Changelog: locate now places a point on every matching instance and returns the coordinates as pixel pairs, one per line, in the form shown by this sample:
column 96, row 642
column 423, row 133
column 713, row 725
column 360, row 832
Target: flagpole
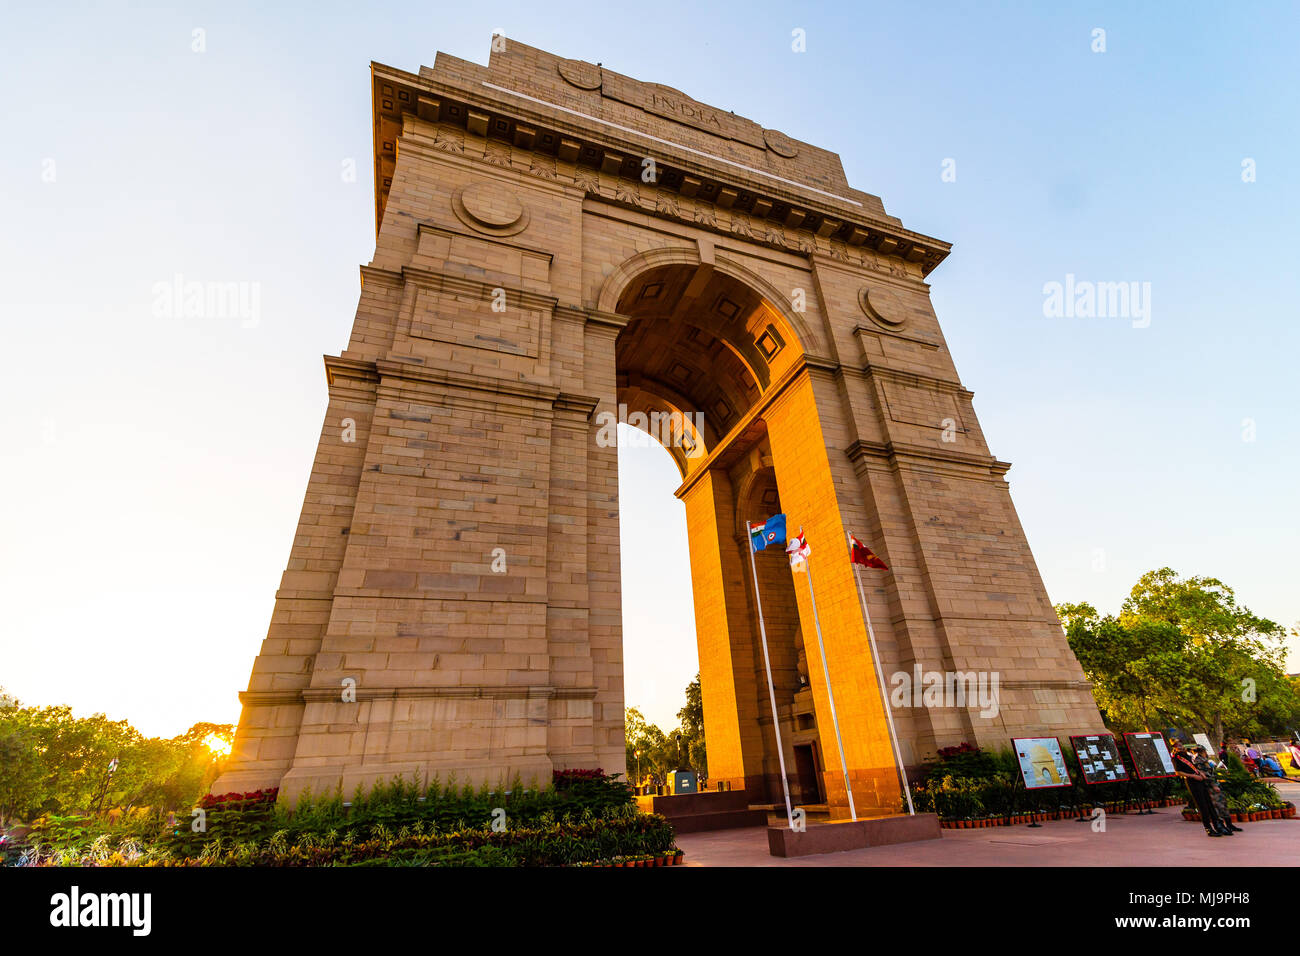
column 880, row 679
column 771, row 692
column 830, row 695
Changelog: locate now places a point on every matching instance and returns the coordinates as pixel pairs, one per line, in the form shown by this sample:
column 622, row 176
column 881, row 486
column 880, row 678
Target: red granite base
column 852, row 835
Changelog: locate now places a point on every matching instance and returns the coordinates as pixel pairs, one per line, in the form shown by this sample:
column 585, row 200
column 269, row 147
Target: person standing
column 1217, row 797
column 1185, row 767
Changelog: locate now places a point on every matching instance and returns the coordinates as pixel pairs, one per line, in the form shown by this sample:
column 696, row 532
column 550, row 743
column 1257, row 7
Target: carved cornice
column 608, row 320
column 860, row 451
column 574, row 404
column 904, row 377
column 604, row 160
column 860, row 330
column 339, row 369
column 378, row 274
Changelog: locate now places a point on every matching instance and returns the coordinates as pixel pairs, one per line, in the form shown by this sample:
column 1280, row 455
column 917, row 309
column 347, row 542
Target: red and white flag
column 865, row 556
column 798, row 549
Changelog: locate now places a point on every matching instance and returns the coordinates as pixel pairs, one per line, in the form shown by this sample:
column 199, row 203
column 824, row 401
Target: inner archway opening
column 701, row 353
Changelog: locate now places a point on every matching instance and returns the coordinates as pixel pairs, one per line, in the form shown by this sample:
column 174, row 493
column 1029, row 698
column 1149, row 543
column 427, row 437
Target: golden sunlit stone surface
column 559, row 246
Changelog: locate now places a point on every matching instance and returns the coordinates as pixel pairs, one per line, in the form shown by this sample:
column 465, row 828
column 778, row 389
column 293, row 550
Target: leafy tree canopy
column 1182, row 651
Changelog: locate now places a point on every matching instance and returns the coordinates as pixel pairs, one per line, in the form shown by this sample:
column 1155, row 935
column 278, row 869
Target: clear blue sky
column 153, row 468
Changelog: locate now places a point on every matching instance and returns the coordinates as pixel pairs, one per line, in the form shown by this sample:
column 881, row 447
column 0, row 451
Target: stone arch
column 625, row 273
column 478, row 428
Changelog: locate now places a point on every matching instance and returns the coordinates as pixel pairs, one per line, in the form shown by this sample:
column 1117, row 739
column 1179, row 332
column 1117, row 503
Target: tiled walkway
column 1159, row 839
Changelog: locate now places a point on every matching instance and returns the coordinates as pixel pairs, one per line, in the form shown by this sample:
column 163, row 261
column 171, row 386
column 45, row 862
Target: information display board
column 1042, row 764
column 1099, row 758
column 1150, row 753
column 1204, row 741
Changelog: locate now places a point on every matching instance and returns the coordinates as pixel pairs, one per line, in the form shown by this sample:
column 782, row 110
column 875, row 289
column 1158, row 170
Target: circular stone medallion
column 580, row 73
column 780, row 144
column 883, row 305
column 490, row 208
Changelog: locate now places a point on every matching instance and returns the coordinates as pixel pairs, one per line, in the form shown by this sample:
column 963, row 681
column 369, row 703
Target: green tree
column 692, row 729
column 658, row 754
column 52, row 761
column 1183, row 651
column 647, row 747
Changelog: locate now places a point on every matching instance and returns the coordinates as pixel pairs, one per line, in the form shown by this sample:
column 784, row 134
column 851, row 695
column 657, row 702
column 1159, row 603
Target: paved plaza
column 1161, row 838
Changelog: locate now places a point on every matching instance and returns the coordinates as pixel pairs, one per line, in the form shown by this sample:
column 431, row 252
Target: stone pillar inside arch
column 723, row 634
column 759, row 500
column 810, row 498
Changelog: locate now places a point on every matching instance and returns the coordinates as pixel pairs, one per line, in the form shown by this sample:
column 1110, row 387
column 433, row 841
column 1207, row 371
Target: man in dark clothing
column 1215, row 789
column 1185, row 767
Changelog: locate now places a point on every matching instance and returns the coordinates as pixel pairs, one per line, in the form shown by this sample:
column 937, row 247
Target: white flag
column 798, row 549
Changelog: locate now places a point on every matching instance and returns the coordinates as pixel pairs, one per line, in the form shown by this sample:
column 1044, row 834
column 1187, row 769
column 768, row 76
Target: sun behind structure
column 219, row 746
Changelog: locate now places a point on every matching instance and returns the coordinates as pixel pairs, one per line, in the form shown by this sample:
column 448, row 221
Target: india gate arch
column 554, row 241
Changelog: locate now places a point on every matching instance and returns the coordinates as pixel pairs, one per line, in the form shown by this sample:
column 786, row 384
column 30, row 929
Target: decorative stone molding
column 883, row 306
column 780, row 144
column 490, row 208
column 580, row 73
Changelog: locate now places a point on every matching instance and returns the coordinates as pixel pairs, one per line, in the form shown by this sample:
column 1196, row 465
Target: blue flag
column 770, row 532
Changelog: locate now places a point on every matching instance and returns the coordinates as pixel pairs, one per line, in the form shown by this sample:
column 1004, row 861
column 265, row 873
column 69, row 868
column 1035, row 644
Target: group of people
column 1269, row 765
column 1192, row 762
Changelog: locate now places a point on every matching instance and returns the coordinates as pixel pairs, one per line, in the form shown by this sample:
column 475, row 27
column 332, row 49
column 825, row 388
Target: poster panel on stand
column 1150, row 754
column 1042, row 765
column 1100, row 760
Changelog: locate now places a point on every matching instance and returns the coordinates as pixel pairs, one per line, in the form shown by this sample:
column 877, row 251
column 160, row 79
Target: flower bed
column 1284, row 812
column 590, row 819
column 970, row 788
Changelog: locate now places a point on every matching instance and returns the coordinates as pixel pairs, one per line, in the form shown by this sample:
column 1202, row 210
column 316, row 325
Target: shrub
column 420, row 825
